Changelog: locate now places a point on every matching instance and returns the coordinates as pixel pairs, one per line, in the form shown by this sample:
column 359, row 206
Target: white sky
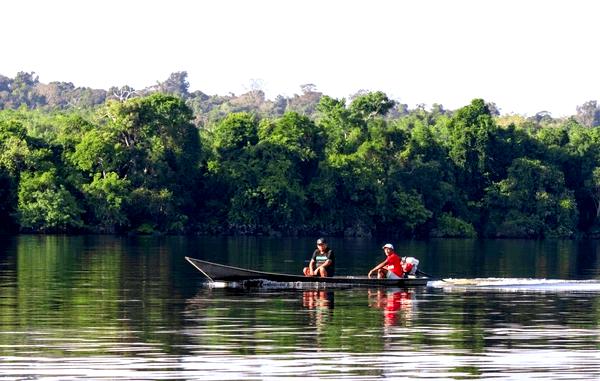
column 524, row 55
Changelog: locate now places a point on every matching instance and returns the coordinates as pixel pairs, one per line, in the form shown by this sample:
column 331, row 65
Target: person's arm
column 328, row 262
column 311, row 266
column 323, row 265
column 377, row 268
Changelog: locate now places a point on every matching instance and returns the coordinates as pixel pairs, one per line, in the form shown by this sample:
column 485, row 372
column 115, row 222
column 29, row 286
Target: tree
column 300, row 138
column 588, row 114
column 16, row 156
column 56, row 94
column 235, row 133
column 252, row 101
column 122, row 93
column 532, row 202
column 15, row 153
column 150, row 143
column 231, row 169
column 344, row 195
column 469, row 132
column 267, row 168
column 45, row 205
column 579, row 159
column 371, row 104
column 542, row 117
column 306, row 103
column 5, row 83
column 22, row 90
column 97, row 153
column 493, row 108
column 339, row 124
column 106, row 196
column 449, row 226
column 403, row 213
column 177, row 85
column 279, row 105
column 422, row 166
column 594, row 184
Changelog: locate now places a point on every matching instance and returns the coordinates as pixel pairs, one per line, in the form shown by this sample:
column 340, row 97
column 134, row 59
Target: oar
column 431, row 276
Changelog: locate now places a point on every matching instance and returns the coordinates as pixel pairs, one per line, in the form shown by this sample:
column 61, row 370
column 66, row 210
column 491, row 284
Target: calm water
column 133, row 309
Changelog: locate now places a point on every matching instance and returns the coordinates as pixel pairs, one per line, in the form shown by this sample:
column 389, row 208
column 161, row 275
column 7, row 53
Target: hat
column 388, row 245
column 321, row 241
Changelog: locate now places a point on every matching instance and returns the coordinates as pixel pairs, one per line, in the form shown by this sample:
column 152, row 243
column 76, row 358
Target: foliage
column 450, row 226
column 588, row 114
column 168, row 160
column 370, row 105
column 531, row 202
column 46, row 205
column 106, row 197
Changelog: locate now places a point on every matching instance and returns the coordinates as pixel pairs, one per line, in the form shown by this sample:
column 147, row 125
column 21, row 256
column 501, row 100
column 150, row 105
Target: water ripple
column 397, row 365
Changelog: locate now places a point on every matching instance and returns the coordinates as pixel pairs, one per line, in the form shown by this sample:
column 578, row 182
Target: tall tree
column 469, row 132
column 371, row 104
column 305, row 103
column 177, row 85
column 588, row 114
column 151, row 143
column 46, row 205
column 532, row 202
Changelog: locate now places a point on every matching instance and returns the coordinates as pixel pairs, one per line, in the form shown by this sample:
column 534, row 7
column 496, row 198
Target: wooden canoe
column 217, row 272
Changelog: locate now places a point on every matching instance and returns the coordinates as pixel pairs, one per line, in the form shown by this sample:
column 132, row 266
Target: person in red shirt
column 392, row 266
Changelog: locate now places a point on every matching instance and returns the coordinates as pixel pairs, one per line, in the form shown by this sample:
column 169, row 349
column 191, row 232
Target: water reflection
column 396, row 304
column 320, row 304
column 318, row 299
column 121, row 308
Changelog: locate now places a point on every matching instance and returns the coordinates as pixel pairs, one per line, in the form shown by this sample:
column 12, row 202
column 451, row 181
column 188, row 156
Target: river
column 131, row 308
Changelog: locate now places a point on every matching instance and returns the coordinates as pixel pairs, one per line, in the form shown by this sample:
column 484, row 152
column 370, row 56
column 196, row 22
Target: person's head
column 388, row 248
column 321, row 244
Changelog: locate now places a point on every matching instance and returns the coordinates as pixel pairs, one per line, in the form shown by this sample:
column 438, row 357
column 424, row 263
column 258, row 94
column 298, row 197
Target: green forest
column 164, row 160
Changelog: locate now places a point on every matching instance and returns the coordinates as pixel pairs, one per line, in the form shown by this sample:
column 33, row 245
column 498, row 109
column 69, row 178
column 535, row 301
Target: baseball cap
column 388, row 245
column 321, row 241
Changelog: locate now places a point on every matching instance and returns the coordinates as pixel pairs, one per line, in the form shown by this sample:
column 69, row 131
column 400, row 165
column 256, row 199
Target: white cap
column 388, row 245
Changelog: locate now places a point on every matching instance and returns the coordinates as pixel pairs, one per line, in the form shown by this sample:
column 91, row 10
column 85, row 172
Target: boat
column 216, row 272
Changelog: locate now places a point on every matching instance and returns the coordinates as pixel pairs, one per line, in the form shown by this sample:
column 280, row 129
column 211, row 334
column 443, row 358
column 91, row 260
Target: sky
column 526, row 56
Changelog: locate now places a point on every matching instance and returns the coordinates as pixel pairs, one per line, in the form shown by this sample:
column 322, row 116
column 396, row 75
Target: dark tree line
column 164, row 160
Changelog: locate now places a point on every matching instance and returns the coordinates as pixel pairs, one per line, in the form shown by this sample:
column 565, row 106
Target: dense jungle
column 166, row 160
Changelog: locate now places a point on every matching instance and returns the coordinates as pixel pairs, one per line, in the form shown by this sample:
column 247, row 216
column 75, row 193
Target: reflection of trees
column 464, row 258
column 476, row 321
column 61, row 290
column 105, row 294
column 83, row 295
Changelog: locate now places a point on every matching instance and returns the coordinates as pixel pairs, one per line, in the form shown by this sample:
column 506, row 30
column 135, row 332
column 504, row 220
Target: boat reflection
column 396, row 304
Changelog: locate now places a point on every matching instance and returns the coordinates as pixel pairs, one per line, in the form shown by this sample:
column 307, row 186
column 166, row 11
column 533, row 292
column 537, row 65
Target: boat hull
column 217, row 272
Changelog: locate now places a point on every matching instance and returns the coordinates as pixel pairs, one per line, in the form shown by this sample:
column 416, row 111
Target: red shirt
column 394, row 264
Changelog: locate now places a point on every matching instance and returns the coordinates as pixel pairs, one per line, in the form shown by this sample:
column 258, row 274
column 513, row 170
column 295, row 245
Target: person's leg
column 322, row 272
column 306, row 271
column 381, row 273
column 392, row 275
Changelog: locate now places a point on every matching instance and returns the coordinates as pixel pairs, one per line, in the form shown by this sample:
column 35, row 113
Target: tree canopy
column 167, row 160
